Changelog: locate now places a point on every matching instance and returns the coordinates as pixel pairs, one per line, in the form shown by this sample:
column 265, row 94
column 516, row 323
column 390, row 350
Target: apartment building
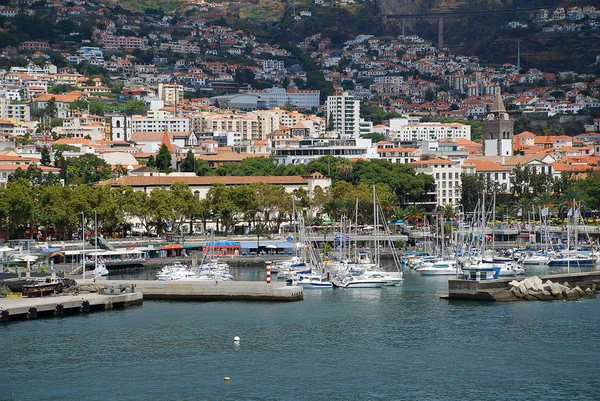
column 343, row 114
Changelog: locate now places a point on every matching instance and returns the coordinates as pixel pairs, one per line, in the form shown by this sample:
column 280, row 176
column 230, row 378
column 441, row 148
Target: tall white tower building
column 343, row 114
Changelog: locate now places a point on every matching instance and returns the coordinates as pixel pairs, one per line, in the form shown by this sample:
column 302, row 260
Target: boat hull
column 364, row 285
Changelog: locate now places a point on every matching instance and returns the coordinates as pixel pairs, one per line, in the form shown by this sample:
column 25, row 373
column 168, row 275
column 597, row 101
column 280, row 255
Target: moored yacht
column 443, row 267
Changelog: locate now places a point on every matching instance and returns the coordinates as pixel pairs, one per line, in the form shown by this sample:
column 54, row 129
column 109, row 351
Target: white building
column 170, row 124
column 343, row 114
column 270, row 65
column 314, row 148
column 279, row 97
column 447, row 179
column 170, row 93
column 118, row 126
column 17, row 111
column 428, row 131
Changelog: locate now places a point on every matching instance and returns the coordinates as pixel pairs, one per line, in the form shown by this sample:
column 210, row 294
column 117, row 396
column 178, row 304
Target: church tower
column 498, row 130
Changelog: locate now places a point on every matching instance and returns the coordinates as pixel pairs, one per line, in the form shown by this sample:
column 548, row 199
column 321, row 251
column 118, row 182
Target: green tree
column 45, row 159
column 203, row 168
column 189, row 163
column 151, row 162
column 184, row 204
column 471, row 191
column 163, row 159
column 135, row 107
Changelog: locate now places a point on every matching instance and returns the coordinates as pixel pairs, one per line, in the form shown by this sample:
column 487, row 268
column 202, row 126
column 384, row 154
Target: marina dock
column 61, row 305
column 497, row 290
column 206, row 290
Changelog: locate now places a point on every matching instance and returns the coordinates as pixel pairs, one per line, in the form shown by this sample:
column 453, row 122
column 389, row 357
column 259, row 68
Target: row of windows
column 437, row 176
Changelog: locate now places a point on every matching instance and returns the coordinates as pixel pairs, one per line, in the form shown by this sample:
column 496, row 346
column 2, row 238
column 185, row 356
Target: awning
column 172, row 246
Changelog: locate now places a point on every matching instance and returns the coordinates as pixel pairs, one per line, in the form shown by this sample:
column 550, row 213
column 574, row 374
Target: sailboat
column 444, row 266
column 571, row 258
column 367, row 275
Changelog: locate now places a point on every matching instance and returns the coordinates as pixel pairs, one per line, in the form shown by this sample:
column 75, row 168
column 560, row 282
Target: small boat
column 441, row 268
column 46, row 287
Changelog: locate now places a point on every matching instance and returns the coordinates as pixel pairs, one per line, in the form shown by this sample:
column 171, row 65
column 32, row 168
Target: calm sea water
column 401, row 343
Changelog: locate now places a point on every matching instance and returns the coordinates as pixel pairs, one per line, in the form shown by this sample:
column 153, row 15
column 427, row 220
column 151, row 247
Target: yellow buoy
column 227, row 379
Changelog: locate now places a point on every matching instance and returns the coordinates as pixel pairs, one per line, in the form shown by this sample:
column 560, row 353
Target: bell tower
column 498, row 130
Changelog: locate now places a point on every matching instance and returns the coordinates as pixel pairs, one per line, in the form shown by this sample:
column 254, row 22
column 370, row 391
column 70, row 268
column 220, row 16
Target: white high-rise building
column 343, row 113
column 170, row 93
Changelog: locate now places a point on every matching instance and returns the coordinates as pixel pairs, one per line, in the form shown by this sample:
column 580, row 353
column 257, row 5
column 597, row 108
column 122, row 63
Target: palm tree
column 120, row 170
column 345, row 169
column 414, row 213
column 571, row 194
column 399, row 213
column 447, row 211
column 545, row 201
column 524, row 205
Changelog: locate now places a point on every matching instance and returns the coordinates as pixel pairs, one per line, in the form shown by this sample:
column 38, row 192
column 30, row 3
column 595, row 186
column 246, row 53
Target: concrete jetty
column 206, row 290
column 499, row 290
column 61, row 305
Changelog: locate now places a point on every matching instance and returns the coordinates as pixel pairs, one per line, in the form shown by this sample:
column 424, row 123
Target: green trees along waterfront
column 36, row 206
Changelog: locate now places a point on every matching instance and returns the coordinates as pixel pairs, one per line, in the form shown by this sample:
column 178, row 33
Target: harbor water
column 397, row 343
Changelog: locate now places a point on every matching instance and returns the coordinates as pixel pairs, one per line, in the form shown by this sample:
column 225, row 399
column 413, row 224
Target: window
column 504, row 176
column 443, row 176
column 496, row 176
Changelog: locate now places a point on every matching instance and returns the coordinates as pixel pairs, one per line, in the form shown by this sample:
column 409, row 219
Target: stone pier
column 206, row 290
column 61, row 305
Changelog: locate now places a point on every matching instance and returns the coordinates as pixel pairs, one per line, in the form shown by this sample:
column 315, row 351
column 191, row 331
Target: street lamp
column 83, row 242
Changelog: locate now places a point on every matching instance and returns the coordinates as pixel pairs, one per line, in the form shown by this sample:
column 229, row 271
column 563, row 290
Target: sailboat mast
column 375, row 228
column 356, row 231
column 483, row 224
column 443, row 236
column 494, row 223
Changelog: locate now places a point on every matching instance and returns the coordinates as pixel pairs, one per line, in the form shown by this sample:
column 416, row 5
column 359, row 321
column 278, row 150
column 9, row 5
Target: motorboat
column 483, row 271
column 441, row 268
column 100, row 270
column 389, row 278
column 509, row 269
column 573, row 260
column 312, row 281
column 537, row 260
column 363, row 282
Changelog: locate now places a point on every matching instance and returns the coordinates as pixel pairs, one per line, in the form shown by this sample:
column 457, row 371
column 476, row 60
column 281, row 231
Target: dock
column 206, row 290
column 62, row 305
column 497, row 290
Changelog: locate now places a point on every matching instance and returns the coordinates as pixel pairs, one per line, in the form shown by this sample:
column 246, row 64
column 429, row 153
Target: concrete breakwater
column 206, row 290
column 533, row 288
column 545, row 288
